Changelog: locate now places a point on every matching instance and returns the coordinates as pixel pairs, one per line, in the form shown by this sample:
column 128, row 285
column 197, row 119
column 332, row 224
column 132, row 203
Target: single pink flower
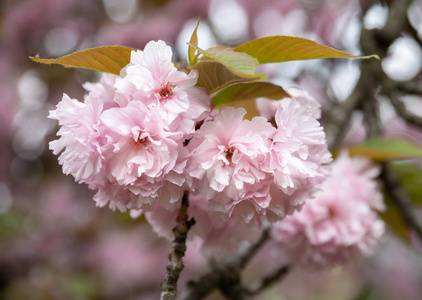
column 140, row 155
column 299, row 156
column 339, row 224
column 127, row 138
column 268, row 108
column 227, row 157
column 152, row 78
column 104, row 89
column 80, row 139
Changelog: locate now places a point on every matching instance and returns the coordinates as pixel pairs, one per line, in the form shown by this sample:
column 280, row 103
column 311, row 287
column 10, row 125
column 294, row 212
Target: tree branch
column 340, row 116
column 225, row 274
column 411, row 87
column 269, row 280
column 403, row 112
column 397, row 21
column 248, row 253
column 175, row 264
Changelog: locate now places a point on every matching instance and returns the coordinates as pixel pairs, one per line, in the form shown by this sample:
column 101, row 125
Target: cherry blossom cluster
column 340, row 223
column 143, row 138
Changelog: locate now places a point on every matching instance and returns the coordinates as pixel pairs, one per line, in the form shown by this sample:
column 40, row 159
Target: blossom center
column 229, row 153
column 139, row 143
column 332, row 213
column 166, row 90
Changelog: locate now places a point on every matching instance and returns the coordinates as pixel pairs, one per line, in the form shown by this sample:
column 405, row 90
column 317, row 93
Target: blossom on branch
column 141, row 156
column 299, row 156
column 340, row 223
column 216, row 234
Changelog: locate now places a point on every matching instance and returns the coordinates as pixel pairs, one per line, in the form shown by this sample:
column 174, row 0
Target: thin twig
column 403, row 112
column 340, row 116
column 393, row 89
column 397, row 22
column 248, row 253
column 411, row 87
column 269, row 280
column 391, row 182
column 372, row 119
column 175, row 264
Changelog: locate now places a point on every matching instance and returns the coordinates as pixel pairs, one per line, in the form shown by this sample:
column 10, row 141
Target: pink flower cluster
column 340, row 223
column 257, row 169
column 246, row 171
column 126, row 138
column 144, row 137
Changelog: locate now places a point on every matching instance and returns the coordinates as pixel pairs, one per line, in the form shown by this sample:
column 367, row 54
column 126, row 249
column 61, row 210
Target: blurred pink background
column 54, row 242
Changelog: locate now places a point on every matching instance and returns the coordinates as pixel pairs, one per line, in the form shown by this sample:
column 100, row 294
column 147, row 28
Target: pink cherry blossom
column 80, row 137
column 255, row 169
column 227, row 155
column 141, row 156
column 152, row 78
column 104, row 89
column 127, row 138
column 297, row 132
column 299, row 156
column 339, row 224
column 268, row 108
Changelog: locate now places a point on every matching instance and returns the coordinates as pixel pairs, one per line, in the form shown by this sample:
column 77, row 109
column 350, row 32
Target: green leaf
column 108, row 59
column 235, row 61
column 411, row 179
column 193, row 41
column 215, row 76
column 381, row 149
column 248, row 90
column 275, row 49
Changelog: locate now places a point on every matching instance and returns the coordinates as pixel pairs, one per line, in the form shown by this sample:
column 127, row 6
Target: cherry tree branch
column 372, row 76
column 175, row 264
column 403, row 112
column 396, row 23
column 411, row 87
column 340, row 116
column 392, row 184
column 226, row 274
column 375, row 41
column 269, row 280
column 393, row 89
column 245, row 255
